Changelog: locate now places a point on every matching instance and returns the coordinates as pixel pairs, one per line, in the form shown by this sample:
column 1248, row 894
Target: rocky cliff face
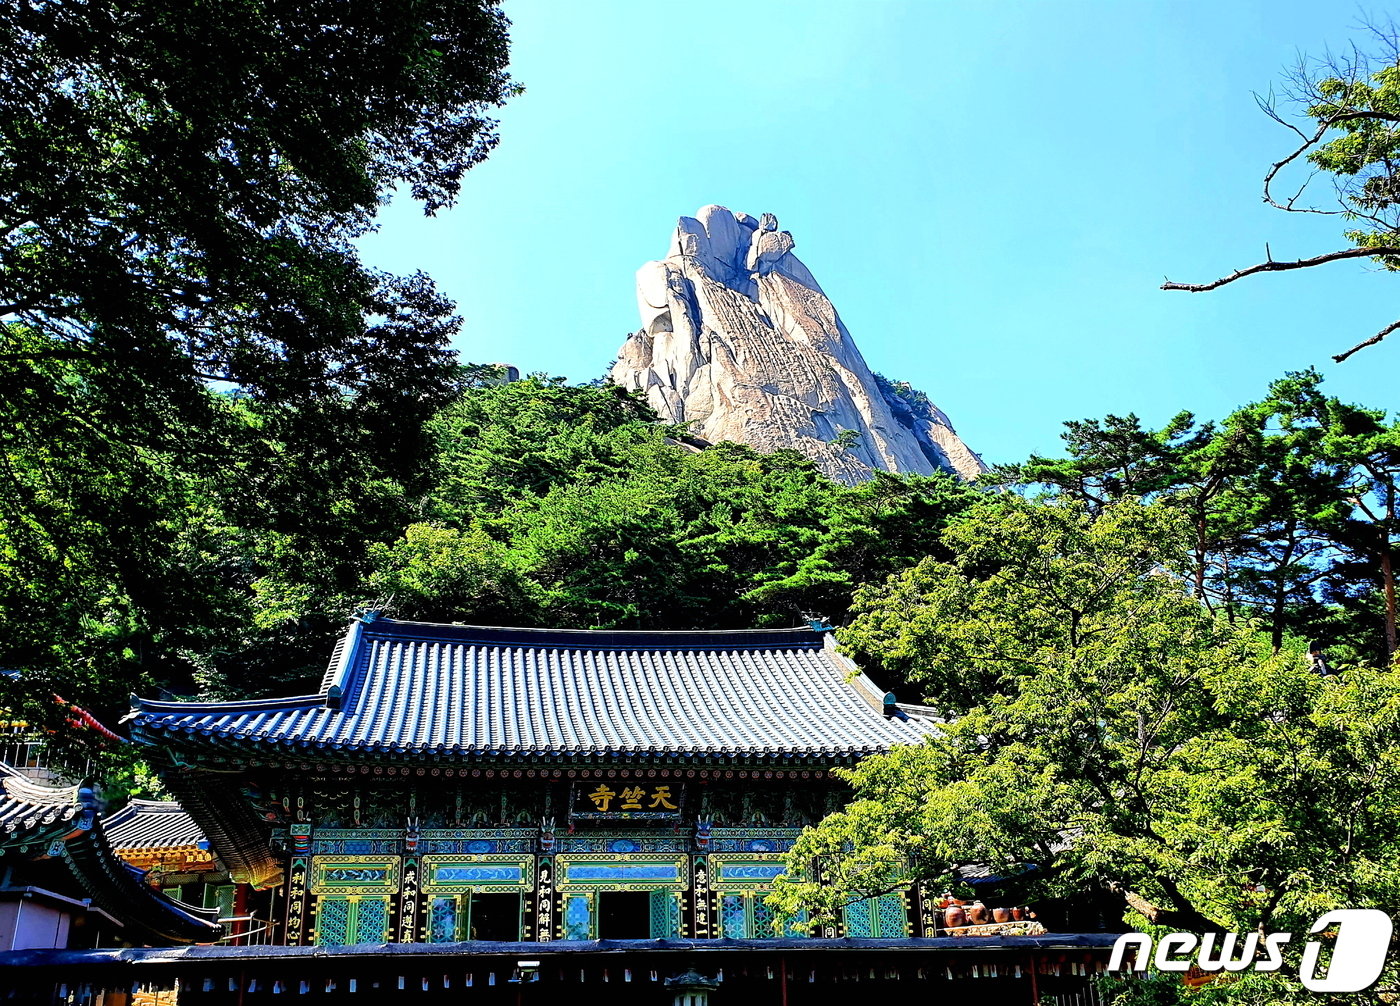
column 739, row 342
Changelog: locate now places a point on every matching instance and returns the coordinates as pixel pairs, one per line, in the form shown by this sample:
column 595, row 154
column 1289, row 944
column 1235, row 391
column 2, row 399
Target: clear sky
column 990, row 193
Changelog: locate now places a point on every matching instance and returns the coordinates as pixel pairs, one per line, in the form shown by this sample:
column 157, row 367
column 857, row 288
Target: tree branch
column 1185, row 916
column 1369, row 342
column 1272, row 266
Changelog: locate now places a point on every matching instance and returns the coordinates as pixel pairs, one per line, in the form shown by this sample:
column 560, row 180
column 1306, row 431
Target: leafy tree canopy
column 1106, row 732
column 180, row 188
column 572, row 506
column 1290, row 501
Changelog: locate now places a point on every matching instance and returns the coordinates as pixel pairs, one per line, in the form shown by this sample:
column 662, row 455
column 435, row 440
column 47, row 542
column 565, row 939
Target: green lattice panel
column 890, row 919
column 372, row 925
column 333, row 922
column 442, row 920
column 578, row 917
column 883, row 917
column 859, row 921
column 665, row 915
column 734, row 916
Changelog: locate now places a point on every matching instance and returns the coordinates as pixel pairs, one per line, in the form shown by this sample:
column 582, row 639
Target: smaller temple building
column 161, row 839
column 62, row 883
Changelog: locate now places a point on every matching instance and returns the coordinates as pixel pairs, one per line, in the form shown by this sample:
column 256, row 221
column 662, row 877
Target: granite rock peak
column 739, row 342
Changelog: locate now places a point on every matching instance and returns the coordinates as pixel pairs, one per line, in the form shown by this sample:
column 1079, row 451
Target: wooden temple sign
column 626, row 798
column 296, row 903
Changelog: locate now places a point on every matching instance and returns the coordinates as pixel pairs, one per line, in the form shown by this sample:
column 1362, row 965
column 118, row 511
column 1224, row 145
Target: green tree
column 576, row 508
column 1288, row 498
column 181, row 185
column 1344, row 111
column 1108, row 733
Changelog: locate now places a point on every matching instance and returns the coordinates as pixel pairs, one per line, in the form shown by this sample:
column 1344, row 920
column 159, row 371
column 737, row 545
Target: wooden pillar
column 240, row 911
column 298, row 904
column 544, row 899
column 701, row 924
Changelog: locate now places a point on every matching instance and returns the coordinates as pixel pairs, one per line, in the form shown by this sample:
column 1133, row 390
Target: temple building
column 459, row 782
column 63, row 885
column 161, row 839
column 461, row 807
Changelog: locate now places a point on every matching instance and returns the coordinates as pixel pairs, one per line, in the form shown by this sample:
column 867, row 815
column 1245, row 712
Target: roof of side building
column 34, row 814
column 151, row 824
column 62, row 823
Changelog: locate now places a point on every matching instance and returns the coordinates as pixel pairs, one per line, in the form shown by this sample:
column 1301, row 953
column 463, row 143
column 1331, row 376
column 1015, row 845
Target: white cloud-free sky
column 990, row 193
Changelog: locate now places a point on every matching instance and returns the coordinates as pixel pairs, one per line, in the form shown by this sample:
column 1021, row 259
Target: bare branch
column 1267, row 107
column 1369, row 342
column 1279, row 165
column 1272, row 266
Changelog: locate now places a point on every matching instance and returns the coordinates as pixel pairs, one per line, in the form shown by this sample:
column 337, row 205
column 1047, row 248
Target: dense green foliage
column 180, row 188
column 536, row 503
column 552, row 505
column 1107, row 732
column 606, row 519
column 1290, row 500
column 1118, row 650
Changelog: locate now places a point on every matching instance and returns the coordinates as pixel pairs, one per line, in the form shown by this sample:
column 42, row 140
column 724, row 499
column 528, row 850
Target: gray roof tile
column 31, row 811
column 151, row 824
column 466, row 691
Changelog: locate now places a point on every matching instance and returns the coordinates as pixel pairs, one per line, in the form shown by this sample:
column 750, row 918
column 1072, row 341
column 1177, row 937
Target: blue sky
column 990, row 193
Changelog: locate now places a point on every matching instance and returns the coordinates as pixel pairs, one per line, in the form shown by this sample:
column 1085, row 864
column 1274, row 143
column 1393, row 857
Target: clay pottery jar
column 1018, row 914
column 977, row 913
column 954, row 917
column 1001, row 915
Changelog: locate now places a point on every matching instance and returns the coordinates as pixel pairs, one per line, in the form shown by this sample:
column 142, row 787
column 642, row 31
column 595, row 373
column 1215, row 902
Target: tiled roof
column 414, row 688
column 31, row 812
column 149, row 824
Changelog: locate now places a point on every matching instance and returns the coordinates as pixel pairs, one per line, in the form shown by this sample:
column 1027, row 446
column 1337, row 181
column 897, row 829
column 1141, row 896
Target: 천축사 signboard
column 626, row 798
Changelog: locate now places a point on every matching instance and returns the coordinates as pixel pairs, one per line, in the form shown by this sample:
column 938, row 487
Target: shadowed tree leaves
column 181, row 185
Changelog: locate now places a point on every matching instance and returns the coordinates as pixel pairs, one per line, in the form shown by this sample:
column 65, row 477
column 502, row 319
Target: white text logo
column 1358, row 955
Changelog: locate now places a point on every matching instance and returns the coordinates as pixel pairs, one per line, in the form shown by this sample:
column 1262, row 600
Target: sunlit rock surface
column 739, row 342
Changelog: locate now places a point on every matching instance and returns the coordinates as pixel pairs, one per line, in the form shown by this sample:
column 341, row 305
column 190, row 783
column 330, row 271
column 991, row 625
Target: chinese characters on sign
column 610, row 799
column 631, row 798
column 296, row 902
